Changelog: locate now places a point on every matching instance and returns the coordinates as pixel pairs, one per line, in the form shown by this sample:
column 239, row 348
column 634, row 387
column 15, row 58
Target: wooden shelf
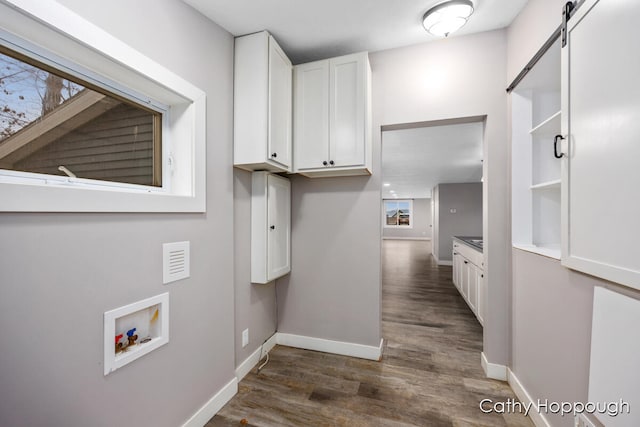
column 549, row 185
column 549, row 127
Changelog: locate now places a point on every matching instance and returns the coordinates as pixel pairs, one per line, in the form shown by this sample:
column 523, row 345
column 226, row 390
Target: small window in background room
column 55, row 124
column 398, row 213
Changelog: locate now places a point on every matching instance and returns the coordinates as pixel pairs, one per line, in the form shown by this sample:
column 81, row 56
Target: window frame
column 52, row 34
column 398, row 226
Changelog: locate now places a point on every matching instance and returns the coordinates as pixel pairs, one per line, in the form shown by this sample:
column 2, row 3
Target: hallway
column 430, row 373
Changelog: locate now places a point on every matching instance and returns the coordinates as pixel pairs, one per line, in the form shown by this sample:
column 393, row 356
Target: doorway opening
column 432, row 262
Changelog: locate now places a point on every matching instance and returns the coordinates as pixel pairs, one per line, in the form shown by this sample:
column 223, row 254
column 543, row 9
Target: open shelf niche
column 536, row 184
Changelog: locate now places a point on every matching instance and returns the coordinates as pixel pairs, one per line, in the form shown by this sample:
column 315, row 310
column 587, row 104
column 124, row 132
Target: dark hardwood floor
column 430, row 373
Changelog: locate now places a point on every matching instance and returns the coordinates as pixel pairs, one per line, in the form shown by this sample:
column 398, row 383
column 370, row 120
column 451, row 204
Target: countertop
column 473, row 241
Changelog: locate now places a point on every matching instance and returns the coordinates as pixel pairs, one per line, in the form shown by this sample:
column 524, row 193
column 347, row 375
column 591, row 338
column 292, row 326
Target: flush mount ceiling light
column 447, row 17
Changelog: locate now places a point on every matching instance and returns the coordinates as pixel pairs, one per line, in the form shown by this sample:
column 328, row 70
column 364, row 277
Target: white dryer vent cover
column 175, row 265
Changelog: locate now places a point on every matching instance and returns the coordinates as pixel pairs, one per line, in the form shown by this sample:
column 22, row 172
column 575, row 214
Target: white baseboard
column 245, row 367
column 405, row 238
column 204, row 414
column 441, row 262
column 328, row 346
column 493, row 370
column 538, row 419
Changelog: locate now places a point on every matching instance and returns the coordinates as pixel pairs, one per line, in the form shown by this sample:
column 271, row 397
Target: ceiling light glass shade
column 445, row 18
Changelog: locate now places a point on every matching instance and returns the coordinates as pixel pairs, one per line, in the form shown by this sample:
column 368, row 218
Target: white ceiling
column 416, row 160
column 310, row 30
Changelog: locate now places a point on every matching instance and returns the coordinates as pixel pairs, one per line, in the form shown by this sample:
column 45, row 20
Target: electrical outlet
column 245, row 337
column 581, row 420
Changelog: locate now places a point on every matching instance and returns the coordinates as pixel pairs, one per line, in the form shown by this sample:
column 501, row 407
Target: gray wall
column 552, row 305
column 552, row 308
column 431, row 81
column 466, row 199
column 333, row 290
column 421, row 223
column 254, row 304
column 60, row 272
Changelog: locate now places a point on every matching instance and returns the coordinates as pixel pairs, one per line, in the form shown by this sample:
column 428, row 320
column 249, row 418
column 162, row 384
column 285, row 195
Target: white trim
column 493, row 370
column 328, row 346
column 250, row 362
column 204, row 414
column 405, row 238
column 441, row 262
column 538, row 419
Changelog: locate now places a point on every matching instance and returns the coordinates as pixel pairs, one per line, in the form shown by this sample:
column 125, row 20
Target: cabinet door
column 348, row 101
column 464, row 280
column 601, row 121
column 311, row 115
column 279, row 232
column 472, row 297
column 480, row 306
column 280, row 105
column 456, row 269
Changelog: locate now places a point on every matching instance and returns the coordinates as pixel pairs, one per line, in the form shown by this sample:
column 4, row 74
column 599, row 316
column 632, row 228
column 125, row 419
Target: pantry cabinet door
column 279, row 220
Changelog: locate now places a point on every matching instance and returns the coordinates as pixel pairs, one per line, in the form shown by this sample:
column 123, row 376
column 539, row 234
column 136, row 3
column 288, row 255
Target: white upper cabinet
column 332, row 117
column 262, row 104
column 601, row 124
column 270, row 227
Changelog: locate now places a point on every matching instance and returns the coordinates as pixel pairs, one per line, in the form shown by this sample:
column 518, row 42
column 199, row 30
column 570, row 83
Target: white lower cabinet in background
column 468, row 277
column 270, row 227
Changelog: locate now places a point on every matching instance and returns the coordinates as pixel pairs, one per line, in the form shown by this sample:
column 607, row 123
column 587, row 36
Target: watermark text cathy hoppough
column 550, row 407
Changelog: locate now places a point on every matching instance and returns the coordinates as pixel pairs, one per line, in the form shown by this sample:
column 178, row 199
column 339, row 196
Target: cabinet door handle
column 455, row 253
column 555, row 147
column 482, row 275
column 331, row 162
column 273, row 227
column 274, row 155
column 324, row 163
column 466, row 262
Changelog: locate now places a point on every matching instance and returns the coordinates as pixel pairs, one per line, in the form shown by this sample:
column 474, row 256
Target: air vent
column 175, row 265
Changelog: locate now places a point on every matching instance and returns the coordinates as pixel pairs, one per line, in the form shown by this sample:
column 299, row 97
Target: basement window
column 88, row 124
column 398, row 213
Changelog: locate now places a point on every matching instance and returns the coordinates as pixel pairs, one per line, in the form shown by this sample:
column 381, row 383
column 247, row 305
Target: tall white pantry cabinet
column 576, row 146
column 332, row 117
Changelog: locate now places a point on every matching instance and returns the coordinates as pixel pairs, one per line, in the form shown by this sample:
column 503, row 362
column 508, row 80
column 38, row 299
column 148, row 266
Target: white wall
column 421, row 229
column 60, row 272
column 333, row 290
column 255, row 304
column 460, row 77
